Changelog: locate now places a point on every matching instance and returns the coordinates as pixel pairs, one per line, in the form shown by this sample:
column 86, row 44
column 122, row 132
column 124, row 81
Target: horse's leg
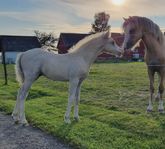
column 161, row 90
column 73, row 83
column 151, row 79
column 21, row 97
column 157, row 97
column 77, row 99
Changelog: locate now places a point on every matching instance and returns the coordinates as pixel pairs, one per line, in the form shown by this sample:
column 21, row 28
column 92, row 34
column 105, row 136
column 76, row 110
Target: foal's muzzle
column 128, row 45
column 120, row 53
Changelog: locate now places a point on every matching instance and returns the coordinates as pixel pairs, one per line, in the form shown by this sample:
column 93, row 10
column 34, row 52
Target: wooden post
column 4, row 66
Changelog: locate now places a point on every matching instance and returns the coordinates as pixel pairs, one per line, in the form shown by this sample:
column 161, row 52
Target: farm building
column 12, row 45
column 67, row 40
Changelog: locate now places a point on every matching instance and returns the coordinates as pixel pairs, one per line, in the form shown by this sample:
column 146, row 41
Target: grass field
column 112, row 108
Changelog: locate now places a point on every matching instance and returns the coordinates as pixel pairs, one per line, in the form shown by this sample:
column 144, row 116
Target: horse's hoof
column 161, row 111
column 157, row 97
column 77, row 119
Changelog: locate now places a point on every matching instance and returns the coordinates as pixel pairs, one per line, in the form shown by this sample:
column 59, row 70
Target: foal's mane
column 85, row 41
column 148, row 26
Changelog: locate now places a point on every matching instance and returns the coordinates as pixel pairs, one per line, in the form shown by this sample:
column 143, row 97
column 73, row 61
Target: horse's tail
column 18, row 69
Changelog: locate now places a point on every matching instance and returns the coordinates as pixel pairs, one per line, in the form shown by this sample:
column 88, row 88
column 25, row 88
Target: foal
column 73, row 67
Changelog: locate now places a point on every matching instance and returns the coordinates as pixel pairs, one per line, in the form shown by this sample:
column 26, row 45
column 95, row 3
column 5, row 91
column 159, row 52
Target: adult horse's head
column 110, row 45
column 132, row 32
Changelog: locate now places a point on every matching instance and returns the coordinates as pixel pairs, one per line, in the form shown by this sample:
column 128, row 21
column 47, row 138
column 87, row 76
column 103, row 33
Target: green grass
column 112, row 108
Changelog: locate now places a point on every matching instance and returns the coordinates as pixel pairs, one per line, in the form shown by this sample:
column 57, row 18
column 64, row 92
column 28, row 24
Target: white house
column 10, row 57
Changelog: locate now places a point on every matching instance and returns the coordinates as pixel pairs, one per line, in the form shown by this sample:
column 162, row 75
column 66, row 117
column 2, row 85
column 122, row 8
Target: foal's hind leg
column 151, row 79
column 161, row 90
column 19, row 116
column 15, row 113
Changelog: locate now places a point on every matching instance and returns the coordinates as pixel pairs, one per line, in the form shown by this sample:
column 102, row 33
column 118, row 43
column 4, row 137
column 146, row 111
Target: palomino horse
column 73, row 67
column 136, row 28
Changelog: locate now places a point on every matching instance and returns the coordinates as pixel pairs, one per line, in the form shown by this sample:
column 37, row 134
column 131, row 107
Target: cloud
column 77, row 16
column 131, row 7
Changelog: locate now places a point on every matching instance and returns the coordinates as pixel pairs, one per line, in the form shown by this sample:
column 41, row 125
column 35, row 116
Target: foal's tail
column 18, row 69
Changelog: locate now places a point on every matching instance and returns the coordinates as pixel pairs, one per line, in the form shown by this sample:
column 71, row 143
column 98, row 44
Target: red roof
column 67, row 40
column 119, row 38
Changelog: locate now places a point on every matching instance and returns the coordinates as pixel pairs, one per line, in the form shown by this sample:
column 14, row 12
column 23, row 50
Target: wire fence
column 12, row 82
column 122, row 92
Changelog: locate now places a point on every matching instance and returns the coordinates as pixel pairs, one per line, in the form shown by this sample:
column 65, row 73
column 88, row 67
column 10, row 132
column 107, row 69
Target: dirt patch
column 14, row 136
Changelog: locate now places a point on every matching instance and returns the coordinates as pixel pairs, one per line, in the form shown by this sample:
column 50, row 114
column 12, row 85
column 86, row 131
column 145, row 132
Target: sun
column 118, row 2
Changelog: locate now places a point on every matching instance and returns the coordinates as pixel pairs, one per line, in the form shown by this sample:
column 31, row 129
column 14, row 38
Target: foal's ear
column 106, row 35
column 125, row 19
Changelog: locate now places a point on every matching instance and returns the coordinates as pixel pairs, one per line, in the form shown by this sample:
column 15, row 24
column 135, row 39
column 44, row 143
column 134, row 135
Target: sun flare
column 118, row 2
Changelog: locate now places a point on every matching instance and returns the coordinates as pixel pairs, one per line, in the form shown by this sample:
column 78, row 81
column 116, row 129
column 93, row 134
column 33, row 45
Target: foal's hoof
column 12, row 115
column 67, row 120
column 149, row 110
column 15, row 118
column 25, row 124
column 161, row 111
column 21, row 123
column 77, row 119
column 16, row 122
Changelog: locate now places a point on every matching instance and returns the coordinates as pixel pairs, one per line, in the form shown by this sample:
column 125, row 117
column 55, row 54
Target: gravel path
column 14, row 136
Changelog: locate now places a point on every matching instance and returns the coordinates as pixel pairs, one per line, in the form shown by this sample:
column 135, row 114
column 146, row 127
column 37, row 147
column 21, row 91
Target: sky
column 22, row 17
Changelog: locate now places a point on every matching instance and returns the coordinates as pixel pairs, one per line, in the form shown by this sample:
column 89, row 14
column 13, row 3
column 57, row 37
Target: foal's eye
column 132, row 31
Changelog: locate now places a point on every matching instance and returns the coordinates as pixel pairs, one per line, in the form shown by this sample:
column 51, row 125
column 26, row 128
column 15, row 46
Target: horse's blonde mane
column 148, row 26
column 85, row 41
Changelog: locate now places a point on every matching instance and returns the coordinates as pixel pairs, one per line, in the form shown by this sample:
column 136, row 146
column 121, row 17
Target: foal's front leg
column 151, row 78
column 77, row 99
column 72, row 94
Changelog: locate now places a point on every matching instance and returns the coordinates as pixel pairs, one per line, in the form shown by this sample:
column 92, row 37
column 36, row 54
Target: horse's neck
column 152, row 45
column 154, row 52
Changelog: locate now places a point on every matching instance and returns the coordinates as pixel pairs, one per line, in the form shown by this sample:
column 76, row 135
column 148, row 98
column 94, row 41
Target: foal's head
column 111, row 46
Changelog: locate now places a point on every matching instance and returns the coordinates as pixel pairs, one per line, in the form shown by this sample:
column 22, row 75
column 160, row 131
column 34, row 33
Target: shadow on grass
column 37, row 94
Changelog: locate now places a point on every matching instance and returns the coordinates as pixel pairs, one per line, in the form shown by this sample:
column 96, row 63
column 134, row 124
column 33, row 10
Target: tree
column 100, row 22
column 47, row 40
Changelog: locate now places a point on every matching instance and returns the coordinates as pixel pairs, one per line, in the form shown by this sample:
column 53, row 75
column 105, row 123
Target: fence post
column 4, row 66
